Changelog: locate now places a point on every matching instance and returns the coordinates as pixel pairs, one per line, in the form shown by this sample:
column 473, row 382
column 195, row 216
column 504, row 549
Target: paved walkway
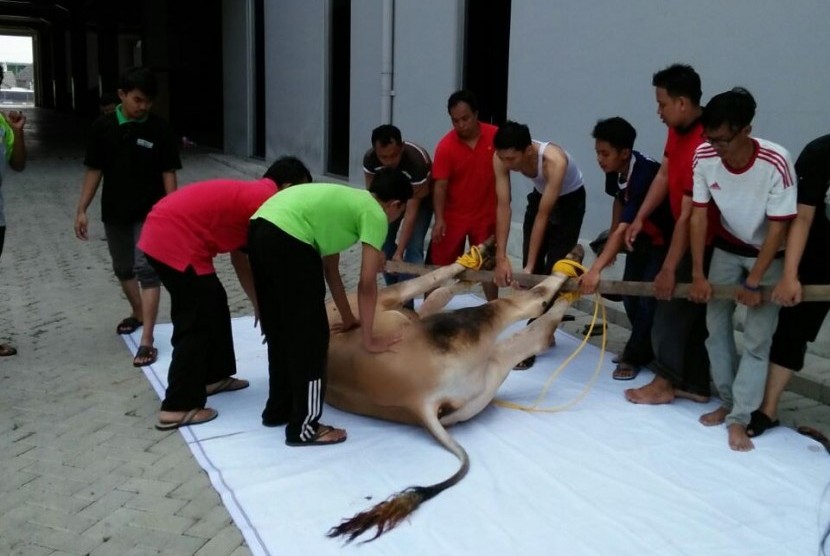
column 82, row 470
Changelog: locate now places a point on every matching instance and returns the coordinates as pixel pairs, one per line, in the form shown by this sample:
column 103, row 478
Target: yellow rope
column 471, row 259
column 570, row 269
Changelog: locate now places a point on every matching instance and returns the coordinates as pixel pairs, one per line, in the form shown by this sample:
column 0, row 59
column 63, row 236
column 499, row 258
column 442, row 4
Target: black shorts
column 797, row 326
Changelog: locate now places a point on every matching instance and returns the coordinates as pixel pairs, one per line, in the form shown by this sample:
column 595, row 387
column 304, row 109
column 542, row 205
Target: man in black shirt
column 805, row 262
column 135, row 154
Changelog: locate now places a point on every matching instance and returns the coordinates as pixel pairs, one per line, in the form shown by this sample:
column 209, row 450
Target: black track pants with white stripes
column 290, row 289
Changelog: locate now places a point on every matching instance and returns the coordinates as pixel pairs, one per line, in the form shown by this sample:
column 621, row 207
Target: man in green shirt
column 13, row 154
column 294, row 247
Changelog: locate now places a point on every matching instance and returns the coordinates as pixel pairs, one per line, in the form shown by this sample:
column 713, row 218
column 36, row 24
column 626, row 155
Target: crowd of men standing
column 721, row 207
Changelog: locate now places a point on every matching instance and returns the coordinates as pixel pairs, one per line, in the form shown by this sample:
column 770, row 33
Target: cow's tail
column 386, row 515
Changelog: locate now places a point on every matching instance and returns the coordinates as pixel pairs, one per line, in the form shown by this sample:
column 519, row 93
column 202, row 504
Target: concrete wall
column 237, row 57
column 581, row 61
column 295, row 80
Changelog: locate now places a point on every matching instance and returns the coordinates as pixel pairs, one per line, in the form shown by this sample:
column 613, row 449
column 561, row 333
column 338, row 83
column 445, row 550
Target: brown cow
column 445, row 370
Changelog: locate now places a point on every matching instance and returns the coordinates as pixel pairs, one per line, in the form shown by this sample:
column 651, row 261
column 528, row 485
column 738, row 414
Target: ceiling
column 29, row 16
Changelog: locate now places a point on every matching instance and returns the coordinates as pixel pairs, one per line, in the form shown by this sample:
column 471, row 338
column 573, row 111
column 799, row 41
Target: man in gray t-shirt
column 390, row 151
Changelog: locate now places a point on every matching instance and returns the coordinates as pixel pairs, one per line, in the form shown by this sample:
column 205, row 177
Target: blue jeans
column 740, row 383
column 414, row 250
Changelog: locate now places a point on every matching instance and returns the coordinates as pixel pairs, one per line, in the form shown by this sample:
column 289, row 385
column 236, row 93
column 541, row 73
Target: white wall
column 237, row 63
column 364, row 82
column 427, row 69
column 572, row 63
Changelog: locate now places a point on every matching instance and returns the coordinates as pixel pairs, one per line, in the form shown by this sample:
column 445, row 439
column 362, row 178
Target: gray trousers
column 678, row 335
column 740, row 382
column 128, row 261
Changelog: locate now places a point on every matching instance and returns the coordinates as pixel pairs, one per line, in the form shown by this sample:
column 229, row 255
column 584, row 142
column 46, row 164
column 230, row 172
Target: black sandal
column 128, row 325
column 148, row 355
column 525, row 364
column 625, row 371
column 759, row 422
column 319, row 438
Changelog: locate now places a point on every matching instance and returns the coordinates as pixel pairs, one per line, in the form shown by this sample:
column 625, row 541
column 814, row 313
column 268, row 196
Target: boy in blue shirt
column 628, row 176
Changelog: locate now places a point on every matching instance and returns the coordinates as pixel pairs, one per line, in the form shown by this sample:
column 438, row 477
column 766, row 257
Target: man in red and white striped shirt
column 752, row 183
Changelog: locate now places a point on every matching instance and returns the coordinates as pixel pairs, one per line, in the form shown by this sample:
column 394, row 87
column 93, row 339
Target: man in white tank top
column 555, row 206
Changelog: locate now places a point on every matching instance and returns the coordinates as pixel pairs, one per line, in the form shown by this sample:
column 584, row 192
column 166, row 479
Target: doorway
column 486, row 54
column 259, row 80
column 339, row 84
column 17, row 64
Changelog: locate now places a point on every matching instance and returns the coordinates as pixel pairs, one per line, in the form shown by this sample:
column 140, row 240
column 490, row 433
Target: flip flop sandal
column 595, row 332
column 624, row 371
column 189, row 418
column 7, row 350
column 128, row 325
column 148, row 353
column 229, row 384
column 525, row 364
column 317, row 439
column 759, row 422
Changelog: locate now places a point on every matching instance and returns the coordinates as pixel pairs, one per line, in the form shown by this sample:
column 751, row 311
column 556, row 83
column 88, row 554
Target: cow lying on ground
column 445, row 370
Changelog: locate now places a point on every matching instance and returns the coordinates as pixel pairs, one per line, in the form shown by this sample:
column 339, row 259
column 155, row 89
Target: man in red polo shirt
column 464, row 198
column 681, row 363
column 181, row 236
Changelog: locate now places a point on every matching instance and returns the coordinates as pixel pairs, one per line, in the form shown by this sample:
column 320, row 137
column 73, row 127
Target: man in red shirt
column 681, row 363
column 181, row 236
column 464, row 197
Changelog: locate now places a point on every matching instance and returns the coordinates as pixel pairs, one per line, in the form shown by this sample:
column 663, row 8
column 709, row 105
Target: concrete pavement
column 82, row 470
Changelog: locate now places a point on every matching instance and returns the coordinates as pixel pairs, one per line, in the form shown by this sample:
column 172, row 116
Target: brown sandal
column 189, row 418
column 229, row 384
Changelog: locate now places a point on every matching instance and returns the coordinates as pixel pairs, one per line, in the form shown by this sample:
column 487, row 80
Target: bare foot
column 699, row 398
column 738, row 439
column 658, row 391
column 713, row 418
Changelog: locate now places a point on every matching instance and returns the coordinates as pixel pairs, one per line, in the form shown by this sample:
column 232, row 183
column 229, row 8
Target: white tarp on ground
column 603, row 477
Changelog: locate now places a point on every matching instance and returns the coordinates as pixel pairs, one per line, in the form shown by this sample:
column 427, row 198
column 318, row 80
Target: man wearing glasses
column 752, row 183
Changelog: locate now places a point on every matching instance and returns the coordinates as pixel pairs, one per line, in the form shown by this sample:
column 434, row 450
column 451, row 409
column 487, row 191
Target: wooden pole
column 641, row 289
